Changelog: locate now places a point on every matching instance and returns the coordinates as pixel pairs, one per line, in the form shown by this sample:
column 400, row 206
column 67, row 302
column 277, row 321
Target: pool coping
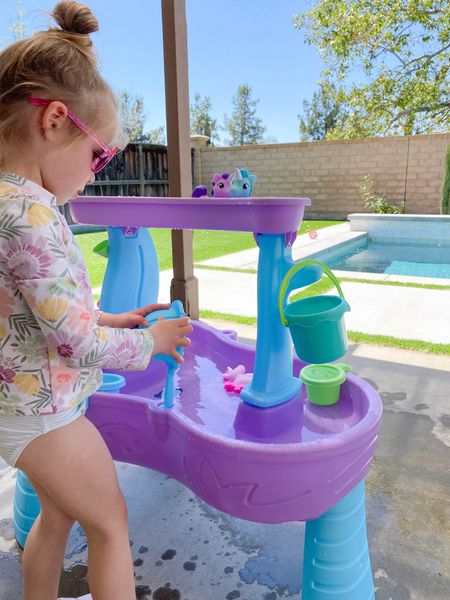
column 402, row 217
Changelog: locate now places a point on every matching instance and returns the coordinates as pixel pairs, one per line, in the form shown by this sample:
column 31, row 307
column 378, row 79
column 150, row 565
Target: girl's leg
column 74, row 467
column 43, row 554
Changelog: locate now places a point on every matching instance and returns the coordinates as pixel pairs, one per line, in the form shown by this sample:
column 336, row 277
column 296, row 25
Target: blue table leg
column 273, row 381
column 336, row 560
column 132, row 274
column 26, row 508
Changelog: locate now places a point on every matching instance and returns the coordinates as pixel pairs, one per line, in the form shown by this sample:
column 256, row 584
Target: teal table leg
column 336, row 560
column 26, row 508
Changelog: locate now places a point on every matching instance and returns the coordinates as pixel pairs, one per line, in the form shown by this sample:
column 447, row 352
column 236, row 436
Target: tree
column 18, row 27
column 244, row 126
column 402, row 49
column 321, row 114
column 202, row 122
column 133, row 119
column 445, row 196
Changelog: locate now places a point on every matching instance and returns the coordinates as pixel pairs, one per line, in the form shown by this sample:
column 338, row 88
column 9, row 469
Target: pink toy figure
column 235, row 379
column 221, row 185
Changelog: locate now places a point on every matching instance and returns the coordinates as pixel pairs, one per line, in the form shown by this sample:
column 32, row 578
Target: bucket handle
column 297, row 267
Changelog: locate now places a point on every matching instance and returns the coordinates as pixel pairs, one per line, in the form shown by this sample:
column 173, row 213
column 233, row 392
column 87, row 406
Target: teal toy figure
column 237, row 184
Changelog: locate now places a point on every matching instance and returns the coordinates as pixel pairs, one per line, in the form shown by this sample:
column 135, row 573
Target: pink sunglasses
column 101, row 159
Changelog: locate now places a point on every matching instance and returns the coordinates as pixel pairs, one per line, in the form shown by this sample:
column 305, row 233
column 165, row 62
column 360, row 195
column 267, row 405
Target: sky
column 230, row 42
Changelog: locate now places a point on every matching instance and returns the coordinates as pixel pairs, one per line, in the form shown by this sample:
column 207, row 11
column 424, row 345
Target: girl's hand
column 132, row 318
column 170, row 333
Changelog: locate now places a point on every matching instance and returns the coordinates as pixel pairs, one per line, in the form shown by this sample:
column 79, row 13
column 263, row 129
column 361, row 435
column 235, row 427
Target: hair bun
column 75, row 17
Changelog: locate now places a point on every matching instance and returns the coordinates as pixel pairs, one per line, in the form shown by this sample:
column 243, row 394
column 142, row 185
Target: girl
column 58, row 118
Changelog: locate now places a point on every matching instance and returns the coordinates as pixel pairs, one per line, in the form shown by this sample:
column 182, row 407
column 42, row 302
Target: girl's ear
column 53, row 118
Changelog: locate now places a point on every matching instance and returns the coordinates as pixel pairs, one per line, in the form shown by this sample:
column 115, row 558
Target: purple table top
column 258, row 215
column 289, row 462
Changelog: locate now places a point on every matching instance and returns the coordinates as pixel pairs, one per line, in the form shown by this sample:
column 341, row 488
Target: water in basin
column 200, row 398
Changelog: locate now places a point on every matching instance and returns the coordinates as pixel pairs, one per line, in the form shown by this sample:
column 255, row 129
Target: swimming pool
column 396, row 259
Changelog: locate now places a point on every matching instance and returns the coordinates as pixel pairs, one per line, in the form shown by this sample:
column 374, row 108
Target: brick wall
column 409, row 168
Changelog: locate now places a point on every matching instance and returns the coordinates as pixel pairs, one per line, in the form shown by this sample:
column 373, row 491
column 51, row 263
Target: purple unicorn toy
column 238, row 184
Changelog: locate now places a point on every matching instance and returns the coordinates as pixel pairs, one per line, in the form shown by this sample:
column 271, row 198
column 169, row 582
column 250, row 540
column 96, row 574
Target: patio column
column 184, row 285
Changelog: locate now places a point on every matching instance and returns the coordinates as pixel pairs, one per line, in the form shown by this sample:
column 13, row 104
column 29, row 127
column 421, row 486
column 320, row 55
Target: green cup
column 323, row 382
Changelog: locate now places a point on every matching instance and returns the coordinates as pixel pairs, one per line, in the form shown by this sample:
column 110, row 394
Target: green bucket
column 323, row 382
column 316, row 324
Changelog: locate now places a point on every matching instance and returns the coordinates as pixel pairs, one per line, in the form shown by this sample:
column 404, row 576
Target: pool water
column 396, row 259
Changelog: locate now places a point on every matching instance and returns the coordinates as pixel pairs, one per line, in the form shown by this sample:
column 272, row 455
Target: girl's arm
column 130, row 319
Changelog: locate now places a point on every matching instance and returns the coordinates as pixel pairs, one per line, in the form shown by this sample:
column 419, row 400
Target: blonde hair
column 57, row 64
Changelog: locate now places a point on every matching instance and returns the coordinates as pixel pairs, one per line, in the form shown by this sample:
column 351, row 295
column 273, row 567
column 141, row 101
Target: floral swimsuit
column 51, row 347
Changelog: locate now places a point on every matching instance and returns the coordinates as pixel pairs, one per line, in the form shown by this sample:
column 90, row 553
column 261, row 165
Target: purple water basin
column 259, row 215
column 289, row 462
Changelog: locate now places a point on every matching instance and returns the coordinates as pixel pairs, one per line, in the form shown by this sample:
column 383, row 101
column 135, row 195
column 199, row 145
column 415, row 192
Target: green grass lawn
column 207, row 244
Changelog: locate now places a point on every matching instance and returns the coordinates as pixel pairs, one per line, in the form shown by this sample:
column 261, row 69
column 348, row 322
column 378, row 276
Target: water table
column 268, row 455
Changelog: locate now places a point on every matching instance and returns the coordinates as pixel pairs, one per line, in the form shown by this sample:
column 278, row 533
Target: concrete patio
column 185, row 550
